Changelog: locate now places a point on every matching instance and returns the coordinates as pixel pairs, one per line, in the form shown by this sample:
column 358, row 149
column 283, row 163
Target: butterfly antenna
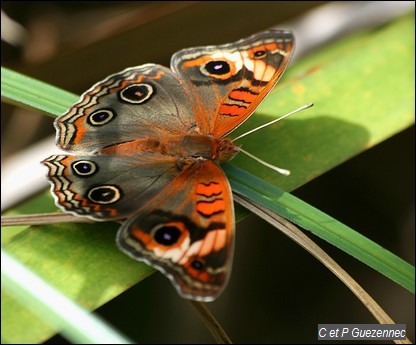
column 306, row 106
column 275, row 168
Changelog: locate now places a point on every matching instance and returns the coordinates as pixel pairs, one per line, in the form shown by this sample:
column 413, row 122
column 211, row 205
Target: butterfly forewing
column 108, row 187
column 140, row 102
column 229, row 81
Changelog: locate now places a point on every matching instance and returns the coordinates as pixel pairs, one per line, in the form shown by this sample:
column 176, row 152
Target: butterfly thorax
column 198, row 146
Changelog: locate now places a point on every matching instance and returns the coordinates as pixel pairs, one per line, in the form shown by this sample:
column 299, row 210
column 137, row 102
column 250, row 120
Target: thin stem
column 211, row 322
column 299, row 237
column 42, row 218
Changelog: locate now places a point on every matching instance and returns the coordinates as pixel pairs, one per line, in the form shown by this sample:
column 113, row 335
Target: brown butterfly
column 148, row 141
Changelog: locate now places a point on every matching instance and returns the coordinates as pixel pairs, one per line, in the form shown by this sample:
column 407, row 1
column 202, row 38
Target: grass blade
column 77, row 324
column 323, row 226
column 30, row 93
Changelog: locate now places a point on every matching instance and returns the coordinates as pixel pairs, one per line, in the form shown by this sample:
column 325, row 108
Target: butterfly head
column 227, row 149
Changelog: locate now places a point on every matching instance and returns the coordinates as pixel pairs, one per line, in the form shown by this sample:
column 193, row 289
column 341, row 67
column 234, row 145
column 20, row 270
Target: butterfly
column 145, row 145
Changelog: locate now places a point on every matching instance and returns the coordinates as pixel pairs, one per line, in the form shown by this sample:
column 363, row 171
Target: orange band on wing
column 245, row 96
column 142, row 236
column 271, row 47
column 232, row 110
column 139, row 79
column 209, row 190
column 208, row 208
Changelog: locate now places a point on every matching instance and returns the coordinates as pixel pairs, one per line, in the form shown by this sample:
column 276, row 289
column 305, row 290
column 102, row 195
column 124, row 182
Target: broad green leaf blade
column 352, row 112
column 27, row 92
column 77, row 324
column 362, row 88
column 80, row 260
column 322, row 225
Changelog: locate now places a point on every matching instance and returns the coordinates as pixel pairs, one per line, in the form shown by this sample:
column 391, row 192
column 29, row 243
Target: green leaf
column 30, row 93
column 322, row 225
column 353, row 111
column 79, row 326
column 80, row 260
column 363, row 93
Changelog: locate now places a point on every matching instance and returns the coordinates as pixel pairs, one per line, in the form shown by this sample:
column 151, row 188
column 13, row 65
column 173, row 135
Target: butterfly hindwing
column 187, row 232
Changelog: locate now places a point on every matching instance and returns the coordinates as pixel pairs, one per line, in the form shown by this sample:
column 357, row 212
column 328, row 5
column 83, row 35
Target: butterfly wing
column 181, row 213
column 227, row 82
column 108, row 187
column 187, row 231
column 147, row 101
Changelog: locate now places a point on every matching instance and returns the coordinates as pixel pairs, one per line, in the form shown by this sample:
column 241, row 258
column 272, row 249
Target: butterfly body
column 190, row 146
column 145, row 145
